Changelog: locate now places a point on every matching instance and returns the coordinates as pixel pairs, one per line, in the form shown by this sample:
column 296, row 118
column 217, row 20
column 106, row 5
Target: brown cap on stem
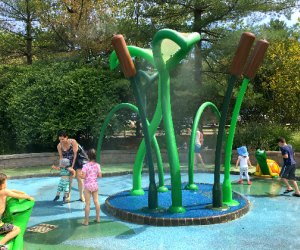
column 256, row 58
column 123, row 55
column 241, row 54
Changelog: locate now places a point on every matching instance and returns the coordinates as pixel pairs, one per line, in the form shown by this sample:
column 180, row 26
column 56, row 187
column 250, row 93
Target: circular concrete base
column 132, row 208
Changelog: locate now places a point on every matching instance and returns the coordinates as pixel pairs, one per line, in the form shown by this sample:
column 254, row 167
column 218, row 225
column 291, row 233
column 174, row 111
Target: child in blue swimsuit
column 64, row 183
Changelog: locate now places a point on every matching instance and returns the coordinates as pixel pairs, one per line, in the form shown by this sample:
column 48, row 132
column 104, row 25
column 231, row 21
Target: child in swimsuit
column 244, row 162
column 8, row 229
column 90, row 172
column 64, row 183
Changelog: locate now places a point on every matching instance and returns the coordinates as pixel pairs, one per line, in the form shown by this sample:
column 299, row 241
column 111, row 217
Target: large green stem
column 138, row 164
column 217, row 191
column 185, row 44
column 227, row 189
column 152, row 192
column 171, row 144
column 192, row 185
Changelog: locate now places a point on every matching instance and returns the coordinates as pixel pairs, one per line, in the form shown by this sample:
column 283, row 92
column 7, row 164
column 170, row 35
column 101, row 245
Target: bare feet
column 85, row 223
column 97, row 220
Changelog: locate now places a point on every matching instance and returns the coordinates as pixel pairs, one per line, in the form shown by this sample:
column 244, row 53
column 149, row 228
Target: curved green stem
column 106, row 122
column 137, row 186
column 191, row 185
column 227, row 189
column 217, row 191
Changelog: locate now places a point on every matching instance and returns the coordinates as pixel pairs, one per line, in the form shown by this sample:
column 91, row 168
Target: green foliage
column 260, row 135
column 274, row 92
column 295, row 141
column 38, row 101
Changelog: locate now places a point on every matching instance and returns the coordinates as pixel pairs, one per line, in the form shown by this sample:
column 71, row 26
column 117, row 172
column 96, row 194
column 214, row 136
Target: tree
column 209, row 18
column 281, row 81
column 17, row 24
column 81, row 25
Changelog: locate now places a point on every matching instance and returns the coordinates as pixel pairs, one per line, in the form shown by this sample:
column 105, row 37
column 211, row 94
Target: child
column 10, row 230
column 90, row 172
column 244, row 162
column 64, row 183
column 289, row 167
column 198, row 143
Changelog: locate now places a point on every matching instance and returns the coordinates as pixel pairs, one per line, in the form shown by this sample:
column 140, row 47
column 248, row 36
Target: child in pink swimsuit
column 90, row 173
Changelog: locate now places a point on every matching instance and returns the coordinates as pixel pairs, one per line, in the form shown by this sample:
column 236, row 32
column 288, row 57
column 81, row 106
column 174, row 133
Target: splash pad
column 196, row 203
column 185, row 204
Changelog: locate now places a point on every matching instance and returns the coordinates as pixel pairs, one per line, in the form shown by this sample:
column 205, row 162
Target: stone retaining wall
column 117, row 157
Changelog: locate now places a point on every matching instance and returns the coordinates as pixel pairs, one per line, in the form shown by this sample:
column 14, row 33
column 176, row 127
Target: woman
column 70, row 149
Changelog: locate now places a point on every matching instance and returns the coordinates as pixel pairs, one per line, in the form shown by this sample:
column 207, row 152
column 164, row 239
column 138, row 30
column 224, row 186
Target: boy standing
column 10, row 230
column 288, row 170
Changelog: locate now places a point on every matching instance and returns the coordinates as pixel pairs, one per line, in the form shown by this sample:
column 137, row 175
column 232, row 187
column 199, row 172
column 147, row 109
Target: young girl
column 244, row 162
column 90, row 172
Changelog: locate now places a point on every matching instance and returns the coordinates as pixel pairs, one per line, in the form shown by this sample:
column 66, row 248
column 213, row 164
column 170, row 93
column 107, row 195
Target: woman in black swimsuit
column 69, row 148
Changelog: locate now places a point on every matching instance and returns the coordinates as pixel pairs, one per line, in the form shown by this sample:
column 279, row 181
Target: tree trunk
column 28, row 37
column 198, row 55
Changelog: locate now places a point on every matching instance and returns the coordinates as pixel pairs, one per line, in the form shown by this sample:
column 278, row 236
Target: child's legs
column 196, row 152
column 66, row 187
column 80, row 183
column 286, row 183
column 241, row 172
column 60, row 187
column 97, row 205
column 12, row 234
column 87, row 196
column 198, row 159
column 295, row 186
column 201, row 159
column 292, row 178
column 246, row 174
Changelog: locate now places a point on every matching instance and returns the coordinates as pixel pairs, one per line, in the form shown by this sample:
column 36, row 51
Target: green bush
column 37, row 101
column 260, row 135
column 295, row 141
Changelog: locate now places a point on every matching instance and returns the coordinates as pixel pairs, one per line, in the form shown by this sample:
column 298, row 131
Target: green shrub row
column 263, row 135
column 36, row 101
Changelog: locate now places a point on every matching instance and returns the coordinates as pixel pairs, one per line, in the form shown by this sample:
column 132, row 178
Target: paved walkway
column 272, row 223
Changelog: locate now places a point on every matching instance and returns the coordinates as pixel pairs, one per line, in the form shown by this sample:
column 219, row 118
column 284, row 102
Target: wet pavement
column 271, row 223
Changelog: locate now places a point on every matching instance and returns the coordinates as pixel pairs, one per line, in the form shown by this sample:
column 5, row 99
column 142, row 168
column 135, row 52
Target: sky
column 293, row 20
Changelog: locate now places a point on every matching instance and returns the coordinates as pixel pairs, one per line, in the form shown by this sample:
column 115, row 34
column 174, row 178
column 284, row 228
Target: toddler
column 8, row 229
column 244, row 162
column 64, row 183
column 90, row 172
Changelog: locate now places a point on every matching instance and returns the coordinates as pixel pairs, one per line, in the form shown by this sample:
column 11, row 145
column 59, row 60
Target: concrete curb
column 125, row 172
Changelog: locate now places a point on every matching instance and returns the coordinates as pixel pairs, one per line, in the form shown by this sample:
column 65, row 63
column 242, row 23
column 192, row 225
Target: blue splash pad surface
column 195, row 203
